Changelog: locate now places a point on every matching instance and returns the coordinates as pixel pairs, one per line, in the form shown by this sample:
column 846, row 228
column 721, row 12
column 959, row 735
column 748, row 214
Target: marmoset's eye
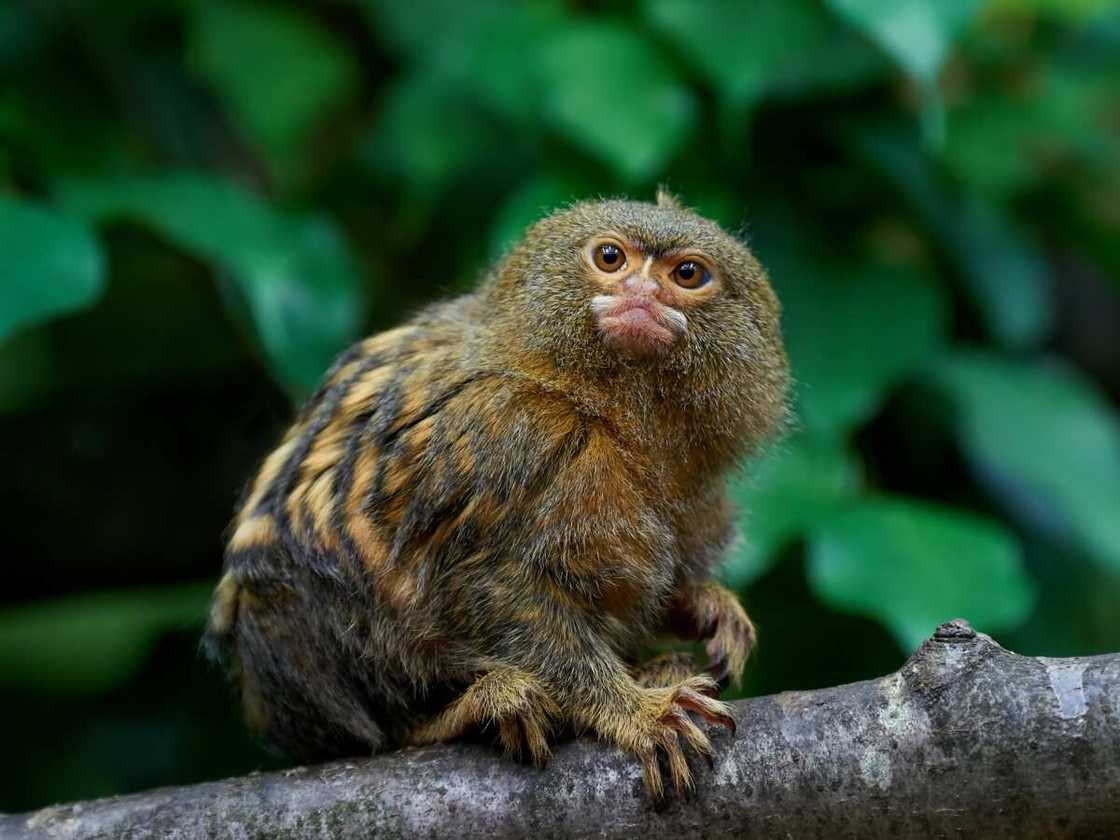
column 609, row 257
column 691, row 275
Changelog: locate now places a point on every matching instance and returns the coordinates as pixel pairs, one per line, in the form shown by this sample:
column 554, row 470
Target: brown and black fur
column 482, row 515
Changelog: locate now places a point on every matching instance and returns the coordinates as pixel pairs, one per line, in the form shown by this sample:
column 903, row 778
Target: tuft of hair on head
column 666, row 199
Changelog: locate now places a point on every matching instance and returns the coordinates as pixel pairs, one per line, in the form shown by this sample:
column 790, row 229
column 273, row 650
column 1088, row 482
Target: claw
column 692, row 734
column 701, row 683
column 720, row 716
column 510, row 736
column 674, row 732
column 721, row 673
column 727, row 632
column 524, row 738
column 711, row 710
column 537, row 741
column 651, row 773
column 678, row 765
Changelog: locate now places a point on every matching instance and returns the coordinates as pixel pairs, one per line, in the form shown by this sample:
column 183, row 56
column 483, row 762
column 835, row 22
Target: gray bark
column 966, row 739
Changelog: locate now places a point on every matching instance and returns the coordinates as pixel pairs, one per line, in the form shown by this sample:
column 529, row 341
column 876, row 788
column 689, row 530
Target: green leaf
column 1005, row 272
column 491, row 61
column 308, row 310
column 1005, row 141
column 612, row 92
column 426, row 134
column 917, row 34
column 276, row 69
column 296, row 274
column 423, row 27
column 766, row 47
column 479, row 48
column 987, row 145
column 89, row 644
column 852, row 333
column 912, row 566
column 49, row 265
column 1047, row 442
column 478, row 51
column 782, row 494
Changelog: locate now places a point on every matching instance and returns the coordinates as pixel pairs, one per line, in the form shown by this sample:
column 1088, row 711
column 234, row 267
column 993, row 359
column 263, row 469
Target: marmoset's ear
column 667, row 199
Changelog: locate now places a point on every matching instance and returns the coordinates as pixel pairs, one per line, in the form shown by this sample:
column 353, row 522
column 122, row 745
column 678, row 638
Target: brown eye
column 609, row 257
column 690, row 275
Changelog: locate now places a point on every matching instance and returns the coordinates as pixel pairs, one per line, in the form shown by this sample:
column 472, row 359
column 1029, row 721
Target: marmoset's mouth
column 638, row 325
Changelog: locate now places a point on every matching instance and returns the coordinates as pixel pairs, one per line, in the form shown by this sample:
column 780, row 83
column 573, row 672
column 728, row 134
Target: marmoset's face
column 635, row 285
column 646, row 293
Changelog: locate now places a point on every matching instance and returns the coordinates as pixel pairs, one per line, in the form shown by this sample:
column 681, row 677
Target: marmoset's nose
column 636, row 284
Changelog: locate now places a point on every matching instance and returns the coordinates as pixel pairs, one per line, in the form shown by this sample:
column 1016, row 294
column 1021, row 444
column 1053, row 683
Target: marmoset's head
column 630, row 284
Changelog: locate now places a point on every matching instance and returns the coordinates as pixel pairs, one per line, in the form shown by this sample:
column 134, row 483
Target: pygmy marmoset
column 481, row 516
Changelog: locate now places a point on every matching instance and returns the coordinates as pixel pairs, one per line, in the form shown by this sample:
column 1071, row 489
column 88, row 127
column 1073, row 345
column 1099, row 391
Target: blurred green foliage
column 201, row 202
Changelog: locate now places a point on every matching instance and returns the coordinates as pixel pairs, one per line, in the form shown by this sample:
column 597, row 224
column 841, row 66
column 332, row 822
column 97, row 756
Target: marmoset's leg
column 299, row 685
column 511, row 700
column 712, row 614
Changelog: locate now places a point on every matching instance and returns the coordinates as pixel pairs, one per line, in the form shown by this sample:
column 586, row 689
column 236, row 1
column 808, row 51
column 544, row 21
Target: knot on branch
column 954, row 631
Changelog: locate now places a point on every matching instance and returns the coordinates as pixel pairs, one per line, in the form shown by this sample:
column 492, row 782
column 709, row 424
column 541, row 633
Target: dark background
column 201, row 202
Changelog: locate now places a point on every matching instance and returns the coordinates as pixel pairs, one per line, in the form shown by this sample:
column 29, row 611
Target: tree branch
column 966, row 739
